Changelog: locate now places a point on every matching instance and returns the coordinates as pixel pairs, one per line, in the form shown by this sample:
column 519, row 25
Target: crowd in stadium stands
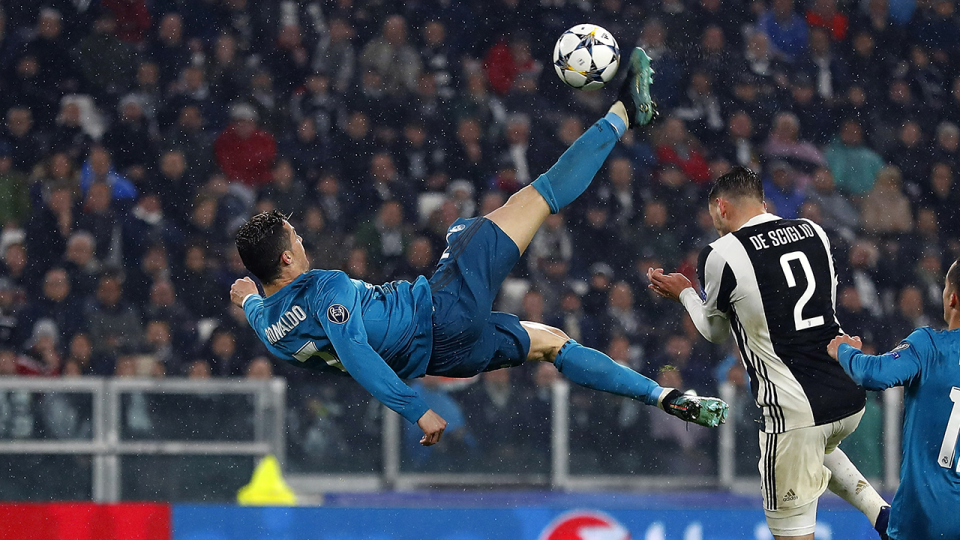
column 137, row 135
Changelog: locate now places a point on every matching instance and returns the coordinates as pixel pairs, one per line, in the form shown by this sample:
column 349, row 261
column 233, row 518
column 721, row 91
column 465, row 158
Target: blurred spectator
column 113, row 324
column 702, row 108
column 244, row 151
column 419, row 260
column 98, row 217
column 14, row 194
column 130, row 140
column 98, row 169
column 942, row 195
column 738, row 145
column 69, row 136
column 205, row 299
column 224, row 356
column 838, row 214
column 260, row 369
column 824, row 14
column 21, row 136
column 854, row 318
column 786, row 29
column 676, row 146
column 288, row 60
column 50, row 226
column 853, row 164
column 132, row 17
column 336, row 55
column 385, row 237
column 285, row 189
column 393, row 57
column 909, row 311
column 306, row 150
column 169, row 49
column 106, row 62
column 781, row 191
column 885, row 208
column 654, row 235
column 910, row 155
column 508, row 60
column 785, row 144
column 57, row 305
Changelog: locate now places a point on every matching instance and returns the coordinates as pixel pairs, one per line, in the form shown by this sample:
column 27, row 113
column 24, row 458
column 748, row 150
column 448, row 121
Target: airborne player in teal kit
column 927, row 365
column 380, row 334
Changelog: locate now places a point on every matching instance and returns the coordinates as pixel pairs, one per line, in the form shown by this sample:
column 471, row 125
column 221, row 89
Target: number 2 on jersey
column 802, row 324
column 310, row 349
column 953, row 430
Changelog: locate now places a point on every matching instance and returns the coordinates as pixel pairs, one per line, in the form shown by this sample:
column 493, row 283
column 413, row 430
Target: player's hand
column 432, row 425
column 667, row 285
column 240, row 289
column 834, row 345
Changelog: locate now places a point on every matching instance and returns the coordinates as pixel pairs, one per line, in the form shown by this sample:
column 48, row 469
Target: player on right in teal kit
column 927, row 365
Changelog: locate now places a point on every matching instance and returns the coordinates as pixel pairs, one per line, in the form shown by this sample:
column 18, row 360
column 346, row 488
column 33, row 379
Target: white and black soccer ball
column 586, row 57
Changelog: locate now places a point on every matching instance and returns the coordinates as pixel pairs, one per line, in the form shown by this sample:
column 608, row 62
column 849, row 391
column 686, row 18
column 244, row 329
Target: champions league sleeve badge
column 338, row 314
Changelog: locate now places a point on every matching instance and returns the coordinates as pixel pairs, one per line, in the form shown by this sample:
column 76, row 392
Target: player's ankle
column 620, row 110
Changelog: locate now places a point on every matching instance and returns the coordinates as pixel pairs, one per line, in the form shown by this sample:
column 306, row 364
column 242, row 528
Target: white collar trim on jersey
column 760, row 218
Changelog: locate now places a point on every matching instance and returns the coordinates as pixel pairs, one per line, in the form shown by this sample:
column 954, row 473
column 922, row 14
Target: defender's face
column 718, row 221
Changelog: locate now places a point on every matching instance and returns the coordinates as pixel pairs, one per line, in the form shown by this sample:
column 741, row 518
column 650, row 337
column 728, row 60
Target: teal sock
column 573, row 172
column 593, row 369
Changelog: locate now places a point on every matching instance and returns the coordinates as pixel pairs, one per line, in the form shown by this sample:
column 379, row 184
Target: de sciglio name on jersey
column 782, row 236
column 288, row 321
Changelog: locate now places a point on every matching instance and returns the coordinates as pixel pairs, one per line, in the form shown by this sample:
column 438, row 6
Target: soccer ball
column 586, row 57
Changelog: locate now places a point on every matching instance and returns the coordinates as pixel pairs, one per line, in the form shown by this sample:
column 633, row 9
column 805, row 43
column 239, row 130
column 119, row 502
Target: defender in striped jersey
column 772, row 282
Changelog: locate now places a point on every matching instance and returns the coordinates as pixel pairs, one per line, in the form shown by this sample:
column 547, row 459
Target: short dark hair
column 261, row 241
column 738, row 182
column 953, row 276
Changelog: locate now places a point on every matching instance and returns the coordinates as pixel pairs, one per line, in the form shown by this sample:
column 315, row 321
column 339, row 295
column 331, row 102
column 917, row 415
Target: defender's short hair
column 738, row 182
column 261, row 241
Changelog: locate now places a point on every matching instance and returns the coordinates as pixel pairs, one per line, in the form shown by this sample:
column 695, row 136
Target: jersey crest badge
column 338, row 314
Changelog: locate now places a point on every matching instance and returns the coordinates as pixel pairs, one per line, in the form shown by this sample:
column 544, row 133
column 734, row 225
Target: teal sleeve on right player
column 879, row 372
column 593, row 369
column 572, row 173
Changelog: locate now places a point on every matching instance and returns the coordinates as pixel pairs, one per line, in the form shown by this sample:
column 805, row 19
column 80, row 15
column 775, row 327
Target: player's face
column 718, row 221
column 948, row 294
column 300, row 260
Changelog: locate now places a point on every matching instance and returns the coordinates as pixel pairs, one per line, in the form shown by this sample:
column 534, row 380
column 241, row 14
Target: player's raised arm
column 879, row 372
column 241, row 289
column 338, row 310
column 710, row 322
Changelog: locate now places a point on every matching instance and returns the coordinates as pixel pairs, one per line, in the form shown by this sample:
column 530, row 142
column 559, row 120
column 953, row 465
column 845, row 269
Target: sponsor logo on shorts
column 861, row 485
column 338, row 314
column 790, row 496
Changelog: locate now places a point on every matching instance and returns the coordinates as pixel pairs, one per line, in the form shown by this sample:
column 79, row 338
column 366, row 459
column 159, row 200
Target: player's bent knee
column 545, row 341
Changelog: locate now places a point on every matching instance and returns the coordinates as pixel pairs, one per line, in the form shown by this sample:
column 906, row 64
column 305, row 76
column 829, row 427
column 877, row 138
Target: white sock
column 847, row 482
column 621, row 111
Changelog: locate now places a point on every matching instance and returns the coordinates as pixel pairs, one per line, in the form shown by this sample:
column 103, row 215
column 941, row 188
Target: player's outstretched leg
column 593, row 369
column 523, row 214
column 848, row 482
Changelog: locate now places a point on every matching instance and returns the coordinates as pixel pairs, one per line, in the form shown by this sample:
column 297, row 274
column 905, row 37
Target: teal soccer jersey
column 927, row 365
column 378, row 334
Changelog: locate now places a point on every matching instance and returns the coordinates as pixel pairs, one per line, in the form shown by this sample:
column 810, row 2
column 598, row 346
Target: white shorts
column 792, row 475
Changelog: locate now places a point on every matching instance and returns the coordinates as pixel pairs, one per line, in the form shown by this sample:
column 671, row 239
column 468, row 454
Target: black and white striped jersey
column 774, row 281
